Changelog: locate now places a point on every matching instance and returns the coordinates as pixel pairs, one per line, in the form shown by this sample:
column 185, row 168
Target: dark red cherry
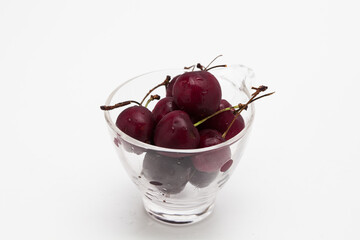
column 163, row 107
column 213, row 160
column 202, row 179
column 222, row 121
column 175, row 130
column 170, row 86
column 224, row 104
column 236, row 128
column 209, row 137
column 137, row 122
column 198, row 93
column 167, row 174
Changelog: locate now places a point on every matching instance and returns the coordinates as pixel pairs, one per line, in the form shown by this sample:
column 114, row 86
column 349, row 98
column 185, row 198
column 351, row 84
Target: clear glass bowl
column 173, row 190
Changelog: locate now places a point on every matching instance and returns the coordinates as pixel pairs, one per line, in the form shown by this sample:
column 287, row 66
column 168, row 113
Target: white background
column 59, row 175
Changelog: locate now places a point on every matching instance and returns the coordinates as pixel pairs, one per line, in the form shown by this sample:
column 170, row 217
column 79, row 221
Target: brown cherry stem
column 224, row 65
column 201, row 67
column 265, row 95
column 164, row 83
column 152, row 97
column 120, row 104
column 244, row 106
column 191, row 67
column 212, row 62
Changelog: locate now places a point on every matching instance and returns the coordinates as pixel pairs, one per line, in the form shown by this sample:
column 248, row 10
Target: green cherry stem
column 152, row 97
column 214, row 114
column 240, row 107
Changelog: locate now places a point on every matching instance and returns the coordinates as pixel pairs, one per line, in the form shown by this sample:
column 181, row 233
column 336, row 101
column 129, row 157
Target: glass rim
column 137, row 143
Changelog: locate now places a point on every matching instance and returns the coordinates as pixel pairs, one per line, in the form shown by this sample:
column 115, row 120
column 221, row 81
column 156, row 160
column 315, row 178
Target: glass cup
column 173, row 188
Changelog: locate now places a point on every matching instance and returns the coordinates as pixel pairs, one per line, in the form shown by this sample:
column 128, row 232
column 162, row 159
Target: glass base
column 172, row 214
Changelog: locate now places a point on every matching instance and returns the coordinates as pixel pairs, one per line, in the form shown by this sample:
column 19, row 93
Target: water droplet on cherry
column 175, row 130
column 163, row 107
column 198, row 93
column 137, row 122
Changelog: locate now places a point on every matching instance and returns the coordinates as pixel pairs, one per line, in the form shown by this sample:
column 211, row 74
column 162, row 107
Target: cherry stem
column 164, row 83
column 240, row 107
column 214, row 114
column 117, row 105
column 207, row 69
column 212, row 62
column 191, row 67
column 265, row 95
column 152, row 97
column 244, row 106
column 201, row 67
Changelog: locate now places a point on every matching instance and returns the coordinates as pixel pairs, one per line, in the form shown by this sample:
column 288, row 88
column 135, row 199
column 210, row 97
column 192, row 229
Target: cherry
column 198, row 93
column 163, row 107
column 137, row 122
column 175, row 130
column 222, row 121
column 202, row 179
column 209, row 137
column 224, row 104
column 237, row 127
column 169, row 87
column 254, row 97
column 168, row 174
column 211, row 161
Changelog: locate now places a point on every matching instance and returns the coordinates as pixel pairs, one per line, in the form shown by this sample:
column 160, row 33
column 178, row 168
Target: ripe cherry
column 202, row 179
column 211, row 161
column 198, row 93
column 175, row 130
column 137, row 122
column 209, row 137
column 222, row 121
column 168, row 174
column 169, row 87
column 163, row 107
column 236, row 128
column 224, row 104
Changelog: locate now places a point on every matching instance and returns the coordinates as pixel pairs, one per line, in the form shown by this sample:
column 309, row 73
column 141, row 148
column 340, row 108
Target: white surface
column 59, row 60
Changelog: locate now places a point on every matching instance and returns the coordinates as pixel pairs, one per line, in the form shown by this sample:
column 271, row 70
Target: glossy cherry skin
column 236, row 128
column 137, row 122
column 209, row 137
column 175, row 130
column 170, row 86
column 163, row 107
column 224, row 104
column 222, row 121
column 168, row 174
column 198, row 93
column 211, row 161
